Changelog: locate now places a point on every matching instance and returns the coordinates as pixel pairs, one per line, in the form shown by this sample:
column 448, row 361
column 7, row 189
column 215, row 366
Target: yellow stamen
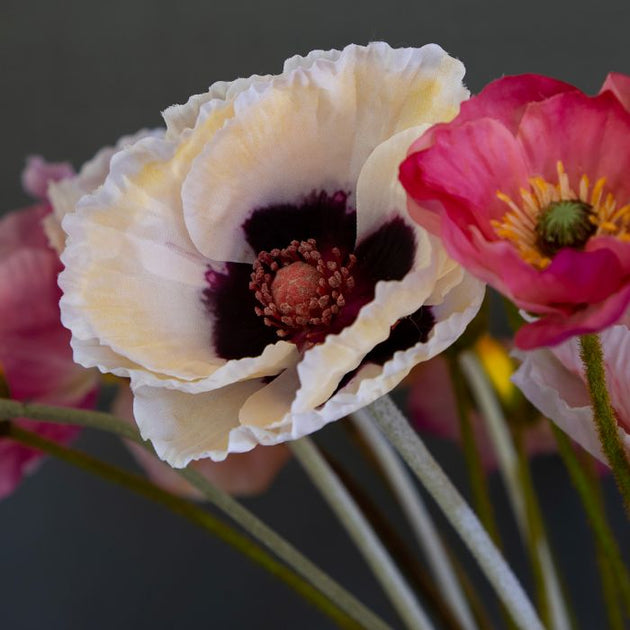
column 519, row 223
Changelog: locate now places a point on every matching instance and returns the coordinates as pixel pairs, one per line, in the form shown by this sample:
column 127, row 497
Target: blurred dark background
column 79, row 554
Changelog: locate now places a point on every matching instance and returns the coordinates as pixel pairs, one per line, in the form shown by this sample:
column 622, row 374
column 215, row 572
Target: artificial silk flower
column 35, row 356
column 432, row 403
column 529, row 189
column 553, row 380
column 241, row 474
column 254, row 272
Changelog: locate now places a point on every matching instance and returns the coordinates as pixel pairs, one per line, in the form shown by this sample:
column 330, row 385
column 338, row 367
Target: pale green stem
column 476, row 473
column 417, row 514
column 408, row 443
column 604, row 415
column 246, row 519
column 362, row 534
column 188, row 510
column 589, row 493
column 507, row 457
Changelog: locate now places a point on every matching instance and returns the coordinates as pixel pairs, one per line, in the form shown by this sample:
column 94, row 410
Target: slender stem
column 535, row 533
column 10, row 409
column 604, row 415
column 419, row 578
column 609, row 591
column 220, row 499
column 474, row 465
column 463, row 519
column 588, row 492
column 417, row 515
column 370, row 546
column 188, row 510
column 516, row 478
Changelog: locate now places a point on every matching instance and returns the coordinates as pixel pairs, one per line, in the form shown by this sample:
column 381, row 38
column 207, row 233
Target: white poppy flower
column 254, row 271
column 553, row 380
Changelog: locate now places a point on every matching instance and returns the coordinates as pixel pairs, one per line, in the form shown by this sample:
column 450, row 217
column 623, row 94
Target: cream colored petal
column 133, row 280
column 180, row 118
column 184, row 427
column 271, row 415
column 275, row 407
column 65, row 194
column 381, row 198
column 313, row 129
column 380, row 195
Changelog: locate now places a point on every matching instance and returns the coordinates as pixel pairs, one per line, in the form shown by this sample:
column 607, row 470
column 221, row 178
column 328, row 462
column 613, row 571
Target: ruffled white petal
column 183, row 427
column 312, row 129
column 66, row 193
column 180, row 118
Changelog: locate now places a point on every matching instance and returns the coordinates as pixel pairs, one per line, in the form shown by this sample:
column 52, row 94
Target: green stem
column 474, row 465
column 609, row 590
column 10, row 409
column 604, row 415
column 188, row 510
column 535, row 530
column 220, row 499
column 588, row 491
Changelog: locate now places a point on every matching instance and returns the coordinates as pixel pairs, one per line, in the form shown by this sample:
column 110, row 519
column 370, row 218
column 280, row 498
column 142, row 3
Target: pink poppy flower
column 529, row 189
column 35, row 356
column 553, row 380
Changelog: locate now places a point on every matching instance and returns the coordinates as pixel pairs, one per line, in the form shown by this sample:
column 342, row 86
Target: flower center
column 301, row 290
column 553, row 216
column 565, row 224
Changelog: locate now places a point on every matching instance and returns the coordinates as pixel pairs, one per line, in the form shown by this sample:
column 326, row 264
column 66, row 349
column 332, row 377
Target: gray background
column 76, row 553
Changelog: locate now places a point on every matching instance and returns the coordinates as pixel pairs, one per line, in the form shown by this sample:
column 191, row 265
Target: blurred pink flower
column 241, row 474
column 553, row 380
column 35, row 356
column 529, row 189
column 432, row 407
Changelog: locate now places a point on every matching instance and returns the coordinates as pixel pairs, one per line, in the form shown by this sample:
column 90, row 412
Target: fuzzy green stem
column 188, row 510
column 220, row 499
column 593, row 359
column 606, row 544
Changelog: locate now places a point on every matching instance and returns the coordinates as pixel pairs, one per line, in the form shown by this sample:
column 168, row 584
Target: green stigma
column 564, row 224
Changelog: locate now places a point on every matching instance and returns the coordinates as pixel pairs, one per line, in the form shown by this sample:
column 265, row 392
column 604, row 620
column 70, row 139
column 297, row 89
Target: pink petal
column 554, row 329
column 23, row 228
column 504, row 100
column 588, row 134
column 38, row 174
column 619, row 85
column 464, row 169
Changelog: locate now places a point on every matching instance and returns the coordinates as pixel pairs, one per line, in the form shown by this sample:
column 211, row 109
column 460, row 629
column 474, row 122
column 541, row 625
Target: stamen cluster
column 299, row 289
column 527, row 225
